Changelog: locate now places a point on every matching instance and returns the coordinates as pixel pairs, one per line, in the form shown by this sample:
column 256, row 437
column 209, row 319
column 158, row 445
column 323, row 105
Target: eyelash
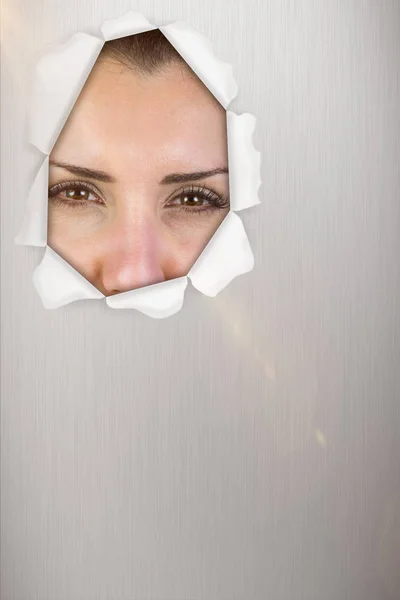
column 215, row 201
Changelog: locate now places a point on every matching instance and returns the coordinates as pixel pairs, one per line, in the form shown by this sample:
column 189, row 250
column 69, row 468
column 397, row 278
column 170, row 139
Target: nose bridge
column 131, row 249
column 129, row 231
column 133, row 212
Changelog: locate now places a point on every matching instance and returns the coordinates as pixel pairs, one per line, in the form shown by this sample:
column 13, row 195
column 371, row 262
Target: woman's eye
column 73, row 194
column 191, row 199
column 78, row 194
column 197, row 199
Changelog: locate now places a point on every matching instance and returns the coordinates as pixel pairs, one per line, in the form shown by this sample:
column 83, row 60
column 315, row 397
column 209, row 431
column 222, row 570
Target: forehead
column 168, row 117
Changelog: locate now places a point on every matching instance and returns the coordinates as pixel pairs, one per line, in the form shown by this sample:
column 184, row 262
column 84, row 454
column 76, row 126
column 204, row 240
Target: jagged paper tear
column 244, row 161
column 58, row 283
column 60, row 77
column 129, row 24
column 34, row 228
column 227, row 255
column 198, row 52
column 158, row 301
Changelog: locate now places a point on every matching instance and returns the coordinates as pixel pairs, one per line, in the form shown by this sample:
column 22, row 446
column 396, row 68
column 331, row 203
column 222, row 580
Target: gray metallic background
column 249, row 446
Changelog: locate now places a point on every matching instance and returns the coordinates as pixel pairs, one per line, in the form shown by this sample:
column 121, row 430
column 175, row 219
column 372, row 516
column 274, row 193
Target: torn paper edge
column 58, row 283
column 128, row 24
column 244, row 161
column 55, row 280
column 158, row 301
column 198, row 52
column 59, row 78
column 227, row 255
column 34, row 228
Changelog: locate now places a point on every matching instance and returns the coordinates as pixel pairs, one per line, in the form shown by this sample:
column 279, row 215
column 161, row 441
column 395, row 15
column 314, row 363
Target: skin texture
column 136, row 231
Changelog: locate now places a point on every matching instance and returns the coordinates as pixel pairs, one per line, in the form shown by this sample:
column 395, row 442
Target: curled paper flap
column 59, row 79
column 129, row 24
column 227, row 255
column 244, row 161
column 58, row 283
column 158, row 301
column 198, row 52
column 34, row 229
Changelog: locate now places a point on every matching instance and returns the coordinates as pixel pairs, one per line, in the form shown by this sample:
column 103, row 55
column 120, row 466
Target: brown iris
column 192, row 201
column 77, row 194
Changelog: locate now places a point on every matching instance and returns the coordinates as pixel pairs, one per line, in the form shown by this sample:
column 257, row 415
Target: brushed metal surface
column 248, row 447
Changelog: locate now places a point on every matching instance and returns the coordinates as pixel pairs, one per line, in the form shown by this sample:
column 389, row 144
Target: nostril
column 138, row 280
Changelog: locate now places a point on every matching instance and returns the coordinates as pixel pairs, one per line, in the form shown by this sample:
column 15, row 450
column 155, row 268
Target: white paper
column 58, row 283
column 158, row 301
column 34, row 229
column 244, row 161
column 60, row 77
column 129, row 24
column 198, row 52
column 227, row 255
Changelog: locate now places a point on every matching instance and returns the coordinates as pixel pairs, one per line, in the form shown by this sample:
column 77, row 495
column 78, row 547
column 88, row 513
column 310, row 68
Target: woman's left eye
column 188, row 200
column 201, row 199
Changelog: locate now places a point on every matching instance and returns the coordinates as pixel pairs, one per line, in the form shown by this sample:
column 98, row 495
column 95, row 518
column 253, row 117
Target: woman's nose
column 131, row 256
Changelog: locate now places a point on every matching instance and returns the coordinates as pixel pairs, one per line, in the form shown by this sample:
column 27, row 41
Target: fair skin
column 134, row 222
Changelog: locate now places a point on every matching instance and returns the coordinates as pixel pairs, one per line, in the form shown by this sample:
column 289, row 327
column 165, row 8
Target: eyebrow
column 99, row 175
column 168, row 179
column 184, row 177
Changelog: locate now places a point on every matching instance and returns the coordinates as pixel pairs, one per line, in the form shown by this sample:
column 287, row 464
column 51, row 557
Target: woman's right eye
column 78, row 194
column 69, row 193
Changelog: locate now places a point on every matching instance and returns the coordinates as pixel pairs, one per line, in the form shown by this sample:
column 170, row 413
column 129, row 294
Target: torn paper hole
column 227, row 255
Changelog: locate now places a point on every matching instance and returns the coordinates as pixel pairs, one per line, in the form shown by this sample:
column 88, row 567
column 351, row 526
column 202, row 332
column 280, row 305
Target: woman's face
column 138, row 177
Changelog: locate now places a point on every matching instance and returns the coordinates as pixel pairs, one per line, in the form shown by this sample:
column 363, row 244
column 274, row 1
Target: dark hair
column 148, row 53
